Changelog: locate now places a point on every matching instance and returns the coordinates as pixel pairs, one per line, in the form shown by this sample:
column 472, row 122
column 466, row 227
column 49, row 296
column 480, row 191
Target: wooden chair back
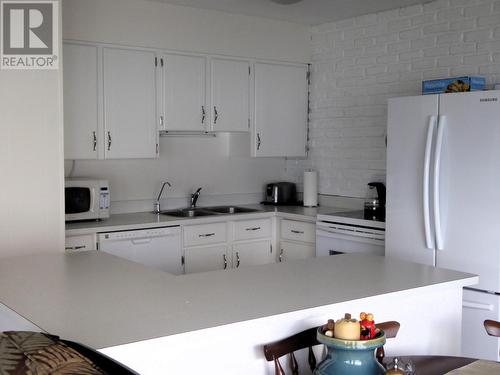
column 492, row 327
column 307, row 339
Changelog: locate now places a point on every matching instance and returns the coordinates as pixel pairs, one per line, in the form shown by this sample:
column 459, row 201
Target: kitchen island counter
column 104, row 302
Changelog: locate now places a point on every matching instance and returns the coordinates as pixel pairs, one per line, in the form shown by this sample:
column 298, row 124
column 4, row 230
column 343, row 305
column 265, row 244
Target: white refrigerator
column 443, row 197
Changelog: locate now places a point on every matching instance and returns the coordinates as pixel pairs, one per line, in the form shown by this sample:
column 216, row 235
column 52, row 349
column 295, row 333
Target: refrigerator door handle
column 477, row 305
column 437, row 174
column 426, row 182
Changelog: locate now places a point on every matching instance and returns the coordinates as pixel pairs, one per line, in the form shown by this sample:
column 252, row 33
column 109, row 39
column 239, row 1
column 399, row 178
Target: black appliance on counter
column 281, row 193
column 374, row 208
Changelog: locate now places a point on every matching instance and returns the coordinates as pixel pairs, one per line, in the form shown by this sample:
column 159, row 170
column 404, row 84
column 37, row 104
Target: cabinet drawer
column 195, row 235
column 80, row 243
column 298, row 231
column 250, row 229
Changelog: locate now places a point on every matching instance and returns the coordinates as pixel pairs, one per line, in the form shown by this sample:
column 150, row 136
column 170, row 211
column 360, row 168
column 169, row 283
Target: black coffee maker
column 375, row 206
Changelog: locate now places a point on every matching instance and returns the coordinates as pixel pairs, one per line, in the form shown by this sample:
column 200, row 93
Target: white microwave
column 86, row 199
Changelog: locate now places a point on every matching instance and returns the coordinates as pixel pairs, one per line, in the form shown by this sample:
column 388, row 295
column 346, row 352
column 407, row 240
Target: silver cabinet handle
column 216, row 115
column 203, row 114
column 206, row 235
column 237, row 259
column 75, row 247
column 297, row 231
column 224, row 257
column 258, row 141
column 94, row 141
column 109, row 141
column 161, row 120
column 281, row 256
column 254, row 228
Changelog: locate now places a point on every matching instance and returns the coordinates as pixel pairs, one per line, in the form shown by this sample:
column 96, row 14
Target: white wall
column 357, row 64
column 31, row 162
column 161, row 25
column 186, row 162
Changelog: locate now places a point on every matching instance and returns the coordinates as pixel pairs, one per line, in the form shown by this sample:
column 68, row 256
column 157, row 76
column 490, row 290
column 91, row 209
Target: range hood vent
column 178, row 133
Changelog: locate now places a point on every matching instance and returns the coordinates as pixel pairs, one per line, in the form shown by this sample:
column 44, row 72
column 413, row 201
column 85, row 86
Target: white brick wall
column 357, row 64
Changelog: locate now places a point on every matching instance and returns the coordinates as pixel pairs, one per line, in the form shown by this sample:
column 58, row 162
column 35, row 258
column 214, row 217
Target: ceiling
column 309, row 12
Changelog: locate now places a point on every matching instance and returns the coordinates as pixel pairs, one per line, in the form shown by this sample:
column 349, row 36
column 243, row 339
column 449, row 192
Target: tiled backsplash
column 357, row 64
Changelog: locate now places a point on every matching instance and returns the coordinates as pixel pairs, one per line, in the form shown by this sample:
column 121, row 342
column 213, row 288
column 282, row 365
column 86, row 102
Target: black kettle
column 375, row 206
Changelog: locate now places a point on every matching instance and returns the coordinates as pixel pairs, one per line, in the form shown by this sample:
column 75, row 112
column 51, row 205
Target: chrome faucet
column 157, row 202
column 194, row 198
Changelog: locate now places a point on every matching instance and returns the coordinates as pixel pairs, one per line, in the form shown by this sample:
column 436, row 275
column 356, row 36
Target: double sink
column 208, row 211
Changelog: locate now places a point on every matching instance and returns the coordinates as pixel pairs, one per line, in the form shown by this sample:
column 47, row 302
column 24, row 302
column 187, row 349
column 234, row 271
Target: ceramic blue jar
column 346, row 357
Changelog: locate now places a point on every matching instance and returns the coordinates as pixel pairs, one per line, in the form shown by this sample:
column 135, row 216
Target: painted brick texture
column 357, row 64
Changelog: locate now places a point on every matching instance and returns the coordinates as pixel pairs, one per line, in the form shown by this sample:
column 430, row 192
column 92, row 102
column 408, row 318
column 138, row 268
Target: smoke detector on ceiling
column 286, row 2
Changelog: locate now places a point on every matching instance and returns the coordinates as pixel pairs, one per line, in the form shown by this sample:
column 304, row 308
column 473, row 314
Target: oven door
column 342, row 239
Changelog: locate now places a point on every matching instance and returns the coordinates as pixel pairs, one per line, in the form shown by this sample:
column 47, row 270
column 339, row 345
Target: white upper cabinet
column 230, row 82
column 184, row 97
column 130, row 124
column 82, row 139
column 281, row 100
column 117, row 98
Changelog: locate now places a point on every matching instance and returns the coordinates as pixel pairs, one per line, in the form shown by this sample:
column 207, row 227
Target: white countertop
column 103, row 301
column 143, row 220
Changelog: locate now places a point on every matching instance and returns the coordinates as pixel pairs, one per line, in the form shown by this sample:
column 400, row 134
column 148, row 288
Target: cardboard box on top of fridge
column 456, row 84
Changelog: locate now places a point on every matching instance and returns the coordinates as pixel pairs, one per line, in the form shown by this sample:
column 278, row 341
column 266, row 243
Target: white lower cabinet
column 205, row 247
column 252, row 253
column 206, row 258
column 225, row 245
column 297, row 240
column 85, row 242
column 296, row 250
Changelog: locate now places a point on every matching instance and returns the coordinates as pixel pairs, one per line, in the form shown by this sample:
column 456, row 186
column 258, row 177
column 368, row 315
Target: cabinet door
column 230, row 95
column 252, row 253
column 296, row 250
column 280, row 110
column 81, row 115
column 184, row 93
column 131, row 129
column 206, row 258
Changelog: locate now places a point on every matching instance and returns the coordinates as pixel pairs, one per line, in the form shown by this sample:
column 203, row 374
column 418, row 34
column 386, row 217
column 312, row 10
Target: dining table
column 439, row 365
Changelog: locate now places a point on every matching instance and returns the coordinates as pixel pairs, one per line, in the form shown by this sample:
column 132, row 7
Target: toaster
column 280, row 193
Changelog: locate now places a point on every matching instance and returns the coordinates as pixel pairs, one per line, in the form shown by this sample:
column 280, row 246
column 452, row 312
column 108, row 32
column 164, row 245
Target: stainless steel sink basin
column 208, row 211
column 230, row 209
column 188, row 212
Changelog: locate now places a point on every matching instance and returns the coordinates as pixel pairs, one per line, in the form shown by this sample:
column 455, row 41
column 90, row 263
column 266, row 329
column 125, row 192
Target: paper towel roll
column 310, row 188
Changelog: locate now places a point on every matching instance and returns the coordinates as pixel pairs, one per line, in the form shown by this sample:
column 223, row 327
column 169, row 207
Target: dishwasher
column 156, row 247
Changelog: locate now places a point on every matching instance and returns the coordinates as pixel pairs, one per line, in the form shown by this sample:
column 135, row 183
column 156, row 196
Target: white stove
column 349, row 232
